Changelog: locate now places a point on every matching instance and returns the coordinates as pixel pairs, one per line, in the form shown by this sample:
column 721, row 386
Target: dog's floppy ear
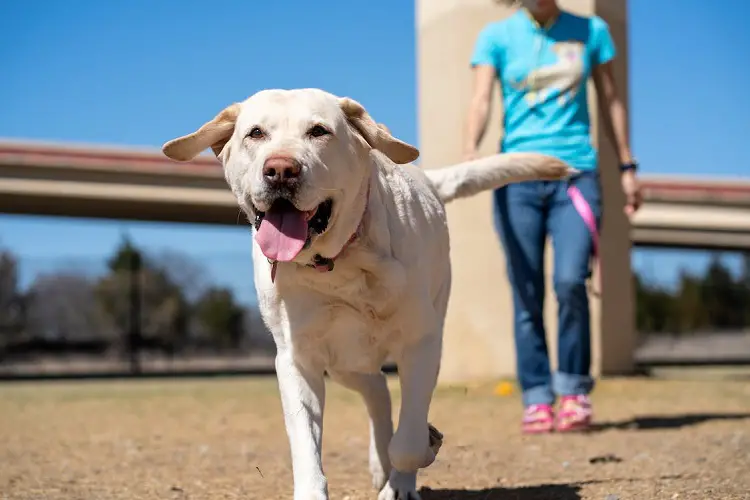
column 214, row 134
column 384, row 128
column 377, row 136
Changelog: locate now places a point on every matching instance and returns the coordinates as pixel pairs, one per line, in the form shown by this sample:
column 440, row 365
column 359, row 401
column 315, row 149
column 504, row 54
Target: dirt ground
column 224, row 439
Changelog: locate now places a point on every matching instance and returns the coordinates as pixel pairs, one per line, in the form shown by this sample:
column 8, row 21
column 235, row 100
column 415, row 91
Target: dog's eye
column 256, row 133
column 318, row 131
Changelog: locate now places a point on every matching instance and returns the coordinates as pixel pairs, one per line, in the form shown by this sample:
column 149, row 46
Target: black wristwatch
column 628, row 167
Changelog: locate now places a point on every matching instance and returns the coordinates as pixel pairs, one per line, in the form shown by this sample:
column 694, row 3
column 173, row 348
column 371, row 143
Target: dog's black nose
column 278, row 170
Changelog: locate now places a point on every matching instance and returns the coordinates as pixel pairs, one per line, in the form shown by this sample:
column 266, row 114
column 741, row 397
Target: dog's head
column 298, row 161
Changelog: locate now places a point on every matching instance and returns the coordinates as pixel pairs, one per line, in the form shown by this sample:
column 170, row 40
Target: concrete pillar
column 615, row 338
column 478, row 336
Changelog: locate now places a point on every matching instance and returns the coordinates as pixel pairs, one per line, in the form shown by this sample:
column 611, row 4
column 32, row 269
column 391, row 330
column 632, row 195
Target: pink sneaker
column 575, row 414
column 538, row 419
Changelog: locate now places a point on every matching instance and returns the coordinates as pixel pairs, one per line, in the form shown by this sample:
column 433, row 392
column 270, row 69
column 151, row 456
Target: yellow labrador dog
column 351, row 259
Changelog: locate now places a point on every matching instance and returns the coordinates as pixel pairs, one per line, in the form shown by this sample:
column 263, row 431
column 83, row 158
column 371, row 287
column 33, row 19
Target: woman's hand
column 616, row 127
column 470, row 154
column 632, row 189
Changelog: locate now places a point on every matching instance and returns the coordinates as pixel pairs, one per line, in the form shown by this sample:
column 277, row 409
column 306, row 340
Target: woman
column 542, row 58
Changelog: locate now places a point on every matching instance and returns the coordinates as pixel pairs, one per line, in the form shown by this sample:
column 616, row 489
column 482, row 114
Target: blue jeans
column 525, row 213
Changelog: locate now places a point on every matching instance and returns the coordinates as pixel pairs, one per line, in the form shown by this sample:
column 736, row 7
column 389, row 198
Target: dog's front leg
column 415, row 443
column 302, row 399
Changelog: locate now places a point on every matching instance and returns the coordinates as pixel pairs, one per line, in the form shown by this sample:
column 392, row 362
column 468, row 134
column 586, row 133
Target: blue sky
column 140, row 72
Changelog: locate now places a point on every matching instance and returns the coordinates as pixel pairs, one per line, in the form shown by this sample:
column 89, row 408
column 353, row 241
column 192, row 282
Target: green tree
column 126, row 257
column 654, row 308
column 690, row 309
column 716, row 300
column 164, row 310
column 219, row 317
column 721, row 297
column 744, row 283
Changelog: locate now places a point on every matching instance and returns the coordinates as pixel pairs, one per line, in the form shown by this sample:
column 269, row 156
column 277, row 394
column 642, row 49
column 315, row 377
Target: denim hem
column 567, row 384
column 539, row 395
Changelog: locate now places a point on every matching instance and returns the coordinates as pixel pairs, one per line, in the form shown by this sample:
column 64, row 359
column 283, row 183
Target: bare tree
column 11, row 303
column 258, row 336
column 63, row 306
column 184, row 272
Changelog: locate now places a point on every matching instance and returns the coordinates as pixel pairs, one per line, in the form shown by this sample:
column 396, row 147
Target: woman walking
column 542, row 58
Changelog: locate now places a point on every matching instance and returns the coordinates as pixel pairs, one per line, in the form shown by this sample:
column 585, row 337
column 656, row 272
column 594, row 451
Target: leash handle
column 584, row 210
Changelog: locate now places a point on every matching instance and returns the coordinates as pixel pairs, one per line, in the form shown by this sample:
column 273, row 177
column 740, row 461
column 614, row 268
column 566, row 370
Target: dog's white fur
column 388, row 293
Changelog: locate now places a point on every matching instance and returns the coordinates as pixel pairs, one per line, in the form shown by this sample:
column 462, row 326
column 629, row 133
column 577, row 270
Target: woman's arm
column 479, row 109
column 616, row 127
column 615, row 115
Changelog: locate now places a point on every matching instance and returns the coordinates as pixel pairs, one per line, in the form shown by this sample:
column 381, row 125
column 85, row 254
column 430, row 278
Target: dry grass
column 224, row 439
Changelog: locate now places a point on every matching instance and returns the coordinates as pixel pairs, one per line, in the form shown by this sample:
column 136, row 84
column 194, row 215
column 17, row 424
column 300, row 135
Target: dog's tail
column 471, row 177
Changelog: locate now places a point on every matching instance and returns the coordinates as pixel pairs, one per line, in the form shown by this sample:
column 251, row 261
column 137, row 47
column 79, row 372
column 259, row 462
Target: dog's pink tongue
column 282, row 234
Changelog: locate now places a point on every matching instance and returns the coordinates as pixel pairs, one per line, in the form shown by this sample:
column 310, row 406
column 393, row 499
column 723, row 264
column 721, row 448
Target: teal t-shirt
column 543, row 73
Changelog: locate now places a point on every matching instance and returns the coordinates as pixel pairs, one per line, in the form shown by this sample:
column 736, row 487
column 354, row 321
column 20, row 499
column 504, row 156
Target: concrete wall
column 478, row 338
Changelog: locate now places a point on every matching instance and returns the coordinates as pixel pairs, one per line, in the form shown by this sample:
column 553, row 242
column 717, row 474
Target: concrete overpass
column 116, row 183
column 110, row 183
column 694, row 213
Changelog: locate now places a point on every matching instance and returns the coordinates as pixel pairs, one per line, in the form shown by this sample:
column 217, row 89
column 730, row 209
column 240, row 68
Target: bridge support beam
column 478, row 338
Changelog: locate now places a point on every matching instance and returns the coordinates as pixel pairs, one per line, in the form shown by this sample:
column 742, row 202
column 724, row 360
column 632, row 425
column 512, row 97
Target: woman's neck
column 544, row 17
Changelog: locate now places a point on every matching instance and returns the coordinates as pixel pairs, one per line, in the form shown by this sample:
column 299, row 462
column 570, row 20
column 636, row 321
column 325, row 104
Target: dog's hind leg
column 415, row 443
column 374, row 391
column 302, row 398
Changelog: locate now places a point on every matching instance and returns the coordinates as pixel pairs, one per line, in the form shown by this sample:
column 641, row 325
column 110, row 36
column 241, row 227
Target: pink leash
column 584, row 210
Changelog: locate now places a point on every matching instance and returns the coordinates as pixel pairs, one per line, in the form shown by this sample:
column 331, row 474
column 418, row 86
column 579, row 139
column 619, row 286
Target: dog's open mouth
column 283, row 231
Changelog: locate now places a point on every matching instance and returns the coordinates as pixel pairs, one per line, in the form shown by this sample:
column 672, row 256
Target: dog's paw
column 400, row 486
column 436, row 439
column 311, row 490
column 378, row 473
column 308, row 495
column 379, row 478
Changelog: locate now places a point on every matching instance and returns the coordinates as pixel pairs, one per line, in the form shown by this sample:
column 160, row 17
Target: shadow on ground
column 653, row 422
column 541, row 492
column 565, row 491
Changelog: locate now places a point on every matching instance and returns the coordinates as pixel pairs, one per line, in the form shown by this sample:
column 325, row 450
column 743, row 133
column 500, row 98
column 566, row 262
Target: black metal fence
column 138, row 313
column 692, row 307
column 133, row 313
